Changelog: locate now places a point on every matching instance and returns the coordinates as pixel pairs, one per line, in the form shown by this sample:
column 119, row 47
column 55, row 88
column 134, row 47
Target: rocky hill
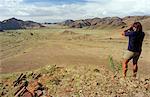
column 95, row 22
column 14, row 23
column 108, row 22
column 72, row 81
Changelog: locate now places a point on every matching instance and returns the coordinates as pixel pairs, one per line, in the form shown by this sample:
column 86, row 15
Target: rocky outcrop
column 92, row 81
column 14, row 23
column 67, row 22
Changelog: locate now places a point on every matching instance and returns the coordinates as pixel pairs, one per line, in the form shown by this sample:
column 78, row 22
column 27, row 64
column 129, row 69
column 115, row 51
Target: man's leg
column 127, row 57
column 125, row 67
column 135, row 69
column 135, row 66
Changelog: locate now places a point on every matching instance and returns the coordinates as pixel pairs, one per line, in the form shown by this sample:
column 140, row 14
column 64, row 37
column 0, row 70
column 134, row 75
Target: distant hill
column 145, row 20
column 95, row 22
column 14, row 23
column 108, row 22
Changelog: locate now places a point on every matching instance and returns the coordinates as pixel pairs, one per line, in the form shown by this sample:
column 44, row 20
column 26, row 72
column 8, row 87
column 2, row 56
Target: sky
column 60, row 10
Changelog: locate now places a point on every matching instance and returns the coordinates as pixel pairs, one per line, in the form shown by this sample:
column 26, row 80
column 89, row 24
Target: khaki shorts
column 128, row 55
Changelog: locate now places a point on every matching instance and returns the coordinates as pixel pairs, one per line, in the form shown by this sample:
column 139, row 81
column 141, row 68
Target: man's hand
column 123, row 33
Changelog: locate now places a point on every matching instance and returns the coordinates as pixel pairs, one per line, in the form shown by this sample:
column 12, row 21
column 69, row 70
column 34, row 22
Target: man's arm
column 127, row 33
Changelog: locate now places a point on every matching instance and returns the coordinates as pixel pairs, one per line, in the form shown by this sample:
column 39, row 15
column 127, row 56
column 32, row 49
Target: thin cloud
column 52, row 11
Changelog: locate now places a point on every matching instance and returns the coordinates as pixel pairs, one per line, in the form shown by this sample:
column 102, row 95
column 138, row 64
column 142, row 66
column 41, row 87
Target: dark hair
column 138, row 26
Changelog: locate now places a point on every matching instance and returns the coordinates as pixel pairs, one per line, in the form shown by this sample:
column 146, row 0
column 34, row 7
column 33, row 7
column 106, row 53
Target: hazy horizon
column 68, row 19
column 60, row 10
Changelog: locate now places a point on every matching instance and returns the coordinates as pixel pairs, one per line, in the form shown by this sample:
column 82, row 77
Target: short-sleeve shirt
column 135, row 40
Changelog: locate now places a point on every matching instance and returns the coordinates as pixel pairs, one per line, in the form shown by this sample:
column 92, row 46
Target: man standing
column 136, row 36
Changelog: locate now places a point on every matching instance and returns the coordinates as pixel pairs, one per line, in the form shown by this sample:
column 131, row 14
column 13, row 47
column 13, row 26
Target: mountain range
column 13, row 23
column 94, row 23
column 108, row 22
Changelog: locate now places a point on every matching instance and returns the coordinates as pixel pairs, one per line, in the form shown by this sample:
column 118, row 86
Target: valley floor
column 83, row 53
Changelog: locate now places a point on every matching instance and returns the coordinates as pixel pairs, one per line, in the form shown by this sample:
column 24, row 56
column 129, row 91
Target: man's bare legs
column 125, row 68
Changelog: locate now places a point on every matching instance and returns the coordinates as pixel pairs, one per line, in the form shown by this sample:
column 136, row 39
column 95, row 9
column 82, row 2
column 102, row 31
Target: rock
column 140, row 94
column 120, row 91
column 39, row 93
column 27, row 94
column 147, row 86
column 31, row 34
column 97, row 83
column 96, row 70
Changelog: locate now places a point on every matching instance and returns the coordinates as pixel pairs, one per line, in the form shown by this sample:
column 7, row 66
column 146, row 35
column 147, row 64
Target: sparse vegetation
column 115, row 68
column 80, row 56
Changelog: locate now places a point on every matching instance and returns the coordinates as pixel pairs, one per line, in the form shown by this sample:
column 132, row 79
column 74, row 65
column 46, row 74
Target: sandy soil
column 63, row 50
